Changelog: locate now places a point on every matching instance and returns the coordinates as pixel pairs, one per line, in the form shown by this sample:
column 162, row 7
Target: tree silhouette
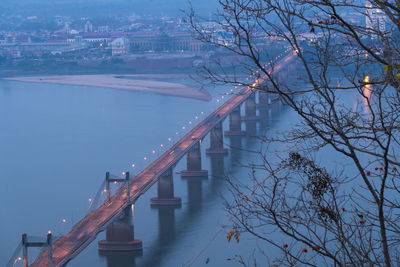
column 347, row 103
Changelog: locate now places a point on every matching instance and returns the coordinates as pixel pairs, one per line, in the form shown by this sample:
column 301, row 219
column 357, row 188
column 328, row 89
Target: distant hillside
column 102, row 7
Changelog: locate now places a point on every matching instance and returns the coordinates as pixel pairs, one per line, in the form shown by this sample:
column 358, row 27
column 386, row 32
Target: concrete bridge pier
column 287, row 75
column 263, row 99
column 217, row 141
column 250, row 108
column 292, row 74
column 193, row 163
column 282, row 76
column 165, row 191
column 235, row 123
column 120, row 235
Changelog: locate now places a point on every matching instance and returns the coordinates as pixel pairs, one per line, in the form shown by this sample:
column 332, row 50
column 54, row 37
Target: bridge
column 69, row 245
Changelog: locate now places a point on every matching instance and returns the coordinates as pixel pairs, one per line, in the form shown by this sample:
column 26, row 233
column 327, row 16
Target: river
column 58, row 141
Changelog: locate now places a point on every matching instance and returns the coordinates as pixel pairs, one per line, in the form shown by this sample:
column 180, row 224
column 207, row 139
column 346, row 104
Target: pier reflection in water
column 121, row 258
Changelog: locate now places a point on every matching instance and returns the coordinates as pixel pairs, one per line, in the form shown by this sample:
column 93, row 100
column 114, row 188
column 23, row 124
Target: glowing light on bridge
column 17, row 260
column 145, row 158
column 169, row 139
column 64, row 220
column 133, row 165
column 154, row 152
column 90, row 200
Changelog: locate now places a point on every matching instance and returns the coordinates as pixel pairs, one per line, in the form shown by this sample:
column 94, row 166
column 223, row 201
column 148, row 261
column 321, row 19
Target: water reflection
column 217, row 166
column 167, row 236
column 235, row 148
column 195, row 194
column 251, row 133
column 263, row 115
column 166, row 226
column 121, row 258
column 367, row 93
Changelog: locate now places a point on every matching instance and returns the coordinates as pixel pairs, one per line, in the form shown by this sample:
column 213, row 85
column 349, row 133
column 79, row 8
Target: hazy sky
column 99, row 7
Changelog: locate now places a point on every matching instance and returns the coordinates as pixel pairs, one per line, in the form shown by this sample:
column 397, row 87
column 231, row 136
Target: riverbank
column 122, row 82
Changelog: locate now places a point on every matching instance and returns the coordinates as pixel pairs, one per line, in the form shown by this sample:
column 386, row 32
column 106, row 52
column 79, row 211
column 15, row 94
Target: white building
column 375, row 19
column 88, row 26
column 120, row 46
column 103, row 29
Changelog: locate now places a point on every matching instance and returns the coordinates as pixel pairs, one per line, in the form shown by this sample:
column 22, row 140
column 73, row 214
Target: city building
column 103, row 28
column 120, row 46
column 88, row 26
column 171, row 41
column 96, row 37
column 375, row 20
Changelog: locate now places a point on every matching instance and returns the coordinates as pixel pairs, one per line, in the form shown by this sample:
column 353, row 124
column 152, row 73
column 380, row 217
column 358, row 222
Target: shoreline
column 121, row 82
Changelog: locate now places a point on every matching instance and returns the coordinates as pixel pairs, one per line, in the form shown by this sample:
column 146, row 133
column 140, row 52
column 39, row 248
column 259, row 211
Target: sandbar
column 123, row 82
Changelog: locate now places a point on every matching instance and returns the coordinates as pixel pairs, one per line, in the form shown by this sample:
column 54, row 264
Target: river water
column 57, row 142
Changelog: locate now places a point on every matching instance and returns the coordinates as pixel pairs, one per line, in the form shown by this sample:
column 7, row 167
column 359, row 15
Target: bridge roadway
column 85, row 231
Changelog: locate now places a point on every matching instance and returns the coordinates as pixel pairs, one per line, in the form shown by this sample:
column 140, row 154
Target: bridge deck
column 85, row 231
